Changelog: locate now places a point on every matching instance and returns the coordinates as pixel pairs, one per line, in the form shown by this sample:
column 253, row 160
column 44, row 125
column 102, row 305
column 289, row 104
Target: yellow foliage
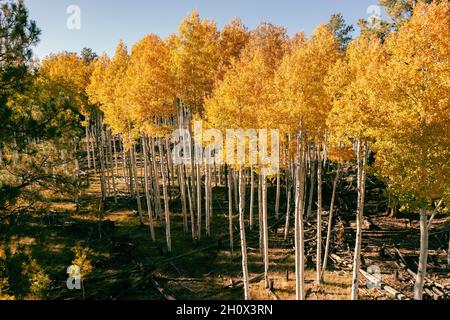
column 413, row 138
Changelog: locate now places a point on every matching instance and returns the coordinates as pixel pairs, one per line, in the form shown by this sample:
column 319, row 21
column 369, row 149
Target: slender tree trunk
column 126, row 176
column 311, row 187
column 147, row 188
column 136, row 183
column 277, row 197
column 88, row 148
column 199, row 202
column 156, row 189
column 230, row 212
column 319, row 217
column 92, row 145
column 110, row 161
column 191, row 207
column 299, row 226
column 211, row 212
column 207, row 207
column 423, row 257
column 260, row 215
column 236, row 198
column 265, row 232
column 116, row 161
column 182, row 184
column 99, row 141
column 243, row 237
column 361, row 158
column 252, row 196
column 330, row 222
column 288, row 204
column 166, row 198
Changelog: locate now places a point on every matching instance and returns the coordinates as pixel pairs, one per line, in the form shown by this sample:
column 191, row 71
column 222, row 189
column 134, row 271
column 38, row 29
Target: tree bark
column 147, row 189
column 207, row 207
column 299, row 227
column 330, row 222
column 243, row 238
column 423, row 257
column 199, row 202
column 136, row 184
column 361, row 160
column 311, row 187
column 265, row 232
column 277, row 197
column 230, row 212
column 166, row 198
column 319, row 217
column 252, row 196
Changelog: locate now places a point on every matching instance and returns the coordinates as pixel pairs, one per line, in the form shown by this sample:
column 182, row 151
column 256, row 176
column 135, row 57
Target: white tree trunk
column 243, row 238
column 312, row 174
column 330, row 222
column 230, row 212
column 88, row 148
column 191, row 206
column 277, row 197
column 361, row 158
column 199, row 202
column 265, row 232
column 110, row 163
column 207, row 200
column 157, row 192
column 423, row 257
column 166, row 198
column 319, row 218
column 288, row 205
column 182, row 184
column 260, row 215
column 252, row 196
column 136, row 184
column 147, row 189
column 299, row 227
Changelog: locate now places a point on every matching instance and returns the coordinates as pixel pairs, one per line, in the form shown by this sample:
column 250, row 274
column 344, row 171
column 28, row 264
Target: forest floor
column 126, row 264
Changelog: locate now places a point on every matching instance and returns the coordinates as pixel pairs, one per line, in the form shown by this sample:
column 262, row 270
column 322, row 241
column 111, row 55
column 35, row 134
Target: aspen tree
column 351, row 117
column 233, row 106
column 300, row 83
column 150, row 96
column 413, row 89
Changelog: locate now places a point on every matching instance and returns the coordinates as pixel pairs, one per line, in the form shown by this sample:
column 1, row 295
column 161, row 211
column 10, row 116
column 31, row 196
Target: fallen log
column 383, row 287
column 161, row 290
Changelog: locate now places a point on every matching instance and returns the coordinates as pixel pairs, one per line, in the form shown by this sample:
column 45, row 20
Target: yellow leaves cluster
column 149, row 85
column 237, row 102
column 106, row 89
column 301, row 102
column 413, row 141
column 350, row 83
column 66, row 74
column 196, row 59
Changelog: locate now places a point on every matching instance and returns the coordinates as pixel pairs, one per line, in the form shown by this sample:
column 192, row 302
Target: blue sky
column 105, row 22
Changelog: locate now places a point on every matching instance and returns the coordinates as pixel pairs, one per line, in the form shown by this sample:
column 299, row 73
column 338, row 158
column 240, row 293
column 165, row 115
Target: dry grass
column 336, row 286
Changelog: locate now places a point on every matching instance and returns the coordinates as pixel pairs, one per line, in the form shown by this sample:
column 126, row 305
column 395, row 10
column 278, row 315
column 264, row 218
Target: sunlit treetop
column 272, row 40
column 233, row 38
column 149, row 85
column 301, row 102
column 106, row 89
column 196, row 60
column 68, row 76
column 350, row 85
